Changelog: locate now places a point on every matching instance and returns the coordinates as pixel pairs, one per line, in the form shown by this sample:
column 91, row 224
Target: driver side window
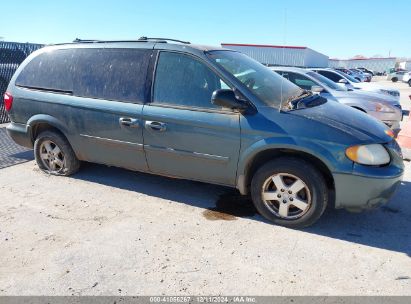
column 185, row 81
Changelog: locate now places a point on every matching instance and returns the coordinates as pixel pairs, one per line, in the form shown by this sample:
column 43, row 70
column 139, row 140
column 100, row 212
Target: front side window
column 300, row 80
column 267, row 85
column 185, row 81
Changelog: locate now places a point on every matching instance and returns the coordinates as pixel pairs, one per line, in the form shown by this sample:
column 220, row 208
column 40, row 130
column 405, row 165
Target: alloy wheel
column 286, row 196
column 51, row 156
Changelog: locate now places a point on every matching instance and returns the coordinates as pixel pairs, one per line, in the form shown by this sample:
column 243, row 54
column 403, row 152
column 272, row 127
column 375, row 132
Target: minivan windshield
column 272, row 89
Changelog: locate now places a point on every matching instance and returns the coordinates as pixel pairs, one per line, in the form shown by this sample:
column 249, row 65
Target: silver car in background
column 351, row 83
column 370, row 103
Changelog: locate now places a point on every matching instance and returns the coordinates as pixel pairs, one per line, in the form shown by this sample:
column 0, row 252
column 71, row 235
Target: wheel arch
column 262, row 157
column 42, row 122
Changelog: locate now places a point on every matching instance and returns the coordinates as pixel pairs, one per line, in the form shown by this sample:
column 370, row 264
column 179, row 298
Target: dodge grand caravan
column 201, row 113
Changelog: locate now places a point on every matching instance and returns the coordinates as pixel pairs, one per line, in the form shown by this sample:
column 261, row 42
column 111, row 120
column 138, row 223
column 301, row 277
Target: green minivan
column 201, row 113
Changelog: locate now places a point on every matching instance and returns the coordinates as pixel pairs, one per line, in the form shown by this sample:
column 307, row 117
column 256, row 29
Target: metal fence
column 12, row 55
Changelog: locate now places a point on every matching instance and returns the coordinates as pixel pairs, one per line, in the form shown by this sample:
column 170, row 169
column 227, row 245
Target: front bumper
column 356, row 193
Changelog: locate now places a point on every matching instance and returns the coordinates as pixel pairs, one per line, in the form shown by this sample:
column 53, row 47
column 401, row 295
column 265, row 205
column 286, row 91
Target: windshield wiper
column 305, row 100
column 292, row 101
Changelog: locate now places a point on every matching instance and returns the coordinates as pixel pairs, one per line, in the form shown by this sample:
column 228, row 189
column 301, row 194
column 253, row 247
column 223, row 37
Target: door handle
column 156, row 126
column 129, row 122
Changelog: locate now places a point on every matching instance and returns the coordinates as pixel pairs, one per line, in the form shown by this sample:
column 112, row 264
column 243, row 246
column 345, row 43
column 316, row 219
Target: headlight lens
column 371, row 155
column 380, row 107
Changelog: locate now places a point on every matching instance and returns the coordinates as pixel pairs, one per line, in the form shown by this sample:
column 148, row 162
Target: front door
column 184, row 134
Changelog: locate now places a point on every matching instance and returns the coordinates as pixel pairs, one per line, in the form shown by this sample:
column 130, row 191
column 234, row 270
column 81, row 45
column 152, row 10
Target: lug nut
column 279, row 195
column 282, row 190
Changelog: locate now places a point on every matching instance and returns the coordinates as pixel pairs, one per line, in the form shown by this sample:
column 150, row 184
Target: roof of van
column 160, row 42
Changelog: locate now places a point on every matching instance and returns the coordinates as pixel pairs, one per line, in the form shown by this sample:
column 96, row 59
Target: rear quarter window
column 112, row 74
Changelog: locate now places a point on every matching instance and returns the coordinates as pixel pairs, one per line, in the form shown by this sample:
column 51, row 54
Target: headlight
column 371, row 155
column 380, row 107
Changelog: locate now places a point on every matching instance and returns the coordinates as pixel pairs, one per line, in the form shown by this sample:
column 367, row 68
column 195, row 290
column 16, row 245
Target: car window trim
column 182, row 107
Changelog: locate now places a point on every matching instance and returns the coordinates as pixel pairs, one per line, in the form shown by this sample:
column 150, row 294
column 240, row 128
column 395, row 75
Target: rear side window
column 112, row 74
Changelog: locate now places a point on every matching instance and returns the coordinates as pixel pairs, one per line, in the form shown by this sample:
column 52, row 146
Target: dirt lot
column 108, row 231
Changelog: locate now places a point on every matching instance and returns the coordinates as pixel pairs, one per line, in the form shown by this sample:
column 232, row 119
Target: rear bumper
column 21, row 134
column 356, row 192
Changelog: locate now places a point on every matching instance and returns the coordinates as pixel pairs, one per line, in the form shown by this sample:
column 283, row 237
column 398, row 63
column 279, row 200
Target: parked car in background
column 366, row 70
column 358, row 77
column 368, row 76
column 407, row 78
column 395, row 76
column 351, row 83
column 365, row 77
column 180, row 110
column 373, row 105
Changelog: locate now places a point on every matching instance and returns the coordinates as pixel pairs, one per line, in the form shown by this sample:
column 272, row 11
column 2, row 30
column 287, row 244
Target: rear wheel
column 394, row 79
column 289, row 192
column 54, row 154
column 409, row 82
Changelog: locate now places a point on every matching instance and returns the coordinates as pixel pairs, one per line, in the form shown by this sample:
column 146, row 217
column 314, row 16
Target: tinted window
column 330, row 75
column 183, row 80
column 113, row 74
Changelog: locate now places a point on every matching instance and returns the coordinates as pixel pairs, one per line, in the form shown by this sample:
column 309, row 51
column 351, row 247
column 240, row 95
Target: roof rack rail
column 162, row 39
column 86, row 40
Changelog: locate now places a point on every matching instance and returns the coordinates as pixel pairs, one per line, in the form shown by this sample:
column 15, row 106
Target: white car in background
column 407, row 78
column 351, row 83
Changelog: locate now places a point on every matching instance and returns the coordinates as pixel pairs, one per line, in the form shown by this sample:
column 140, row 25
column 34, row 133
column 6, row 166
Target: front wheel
column 409, row 82
column 54, row 154
column 289, row 192
column 394, row 79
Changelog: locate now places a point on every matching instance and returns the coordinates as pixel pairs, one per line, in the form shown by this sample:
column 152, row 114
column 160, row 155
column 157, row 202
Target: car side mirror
column 317, row 89
column 342, row 80
column 227, row 99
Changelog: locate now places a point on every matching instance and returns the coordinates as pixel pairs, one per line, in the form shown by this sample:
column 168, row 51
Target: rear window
column 112, row 74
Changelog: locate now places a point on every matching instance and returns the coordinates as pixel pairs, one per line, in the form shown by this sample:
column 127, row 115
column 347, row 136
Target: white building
column 405, row 65
column 378, row 65
column 298, row 56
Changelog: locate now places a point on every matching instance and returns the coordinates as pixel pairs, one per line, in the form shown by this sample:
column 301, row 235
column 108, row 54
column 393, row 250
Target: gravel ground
column 108, row 231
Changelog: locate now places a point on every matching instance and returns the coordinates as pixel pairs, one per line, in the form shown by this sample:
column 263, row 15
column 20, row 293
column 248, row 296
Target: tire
column 54, row 154
column 409, row 82
column 394, row 79
column 290, row 171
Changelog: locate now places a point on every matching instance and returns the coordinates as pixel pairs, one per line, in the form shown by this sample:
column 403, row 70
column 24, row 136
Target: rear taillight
column 8, row 101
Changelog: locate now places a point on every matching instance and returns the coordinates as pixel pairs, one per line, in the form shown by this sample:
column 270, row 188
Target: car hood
column 370, row 96
column 372, row 86
column 348, row 120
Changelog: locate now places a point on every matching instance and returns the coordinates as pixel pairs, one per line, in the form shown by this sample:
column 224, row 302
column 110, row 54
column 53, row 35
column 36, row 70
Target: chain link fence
column 12, row 55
